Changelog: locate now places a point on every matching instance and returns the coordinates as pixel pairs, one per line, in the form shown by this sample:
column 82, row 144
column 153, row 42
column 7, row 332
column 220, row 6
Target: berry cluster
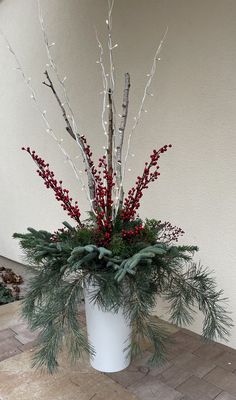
column 104, row 200
column 103, row 184
column 170, row 233
column 62, row 195
column 132, row 202
column 56, row 235
column 132, row 232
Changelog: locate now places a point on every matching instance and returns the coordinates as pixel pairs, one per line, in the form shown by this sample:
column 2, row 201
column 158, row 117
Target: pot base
column 110, row 334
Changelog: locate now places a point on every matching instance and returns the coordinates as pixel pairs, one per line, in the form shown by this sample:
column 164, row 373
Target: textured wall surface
column 193, row 108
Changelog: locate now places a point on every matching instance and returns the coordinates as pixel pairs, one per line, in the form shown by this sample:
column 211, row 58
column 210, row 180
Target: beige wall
column 193, row 108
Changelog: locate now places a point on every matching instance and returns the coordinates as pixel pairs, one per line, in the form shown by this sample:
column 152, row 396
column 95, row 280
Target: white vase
column 109, row 333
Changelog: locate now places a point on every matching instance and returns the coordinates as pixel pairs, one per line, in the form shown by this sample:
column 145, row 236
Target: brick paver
column 225, row 396
column 193, row 371
column 198, row 389
column 222, row 378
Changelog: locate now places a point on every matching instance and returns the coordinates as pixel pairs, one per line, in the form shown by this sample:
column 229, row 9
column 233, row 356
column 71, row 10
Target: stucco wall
column 193, row 108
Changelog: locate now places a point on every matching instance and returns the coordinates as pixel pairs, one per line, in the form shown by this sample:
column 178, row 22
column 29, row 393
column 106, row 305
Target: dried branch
column 145, row 93
column 43, row 114
column 110, row 44
column 110, row 133
column 104, row 82
column 51, row 86
column 91, row 183
column 120, row 139
column 72, row 129
column 110, row 149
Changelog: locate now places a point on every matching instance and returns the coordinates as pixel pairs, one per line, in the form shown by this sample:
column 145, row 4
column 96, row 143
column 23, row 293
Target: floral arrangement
column 131, row 260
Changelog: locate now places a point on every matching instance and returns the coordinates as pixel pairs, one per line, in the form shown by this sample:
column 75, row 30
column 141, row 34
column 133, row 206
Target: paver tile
column 24, row 334
column 143, row 362
column 150, row 388
column 182, row 342
column 222, row 378
column 9, row 347
column 198, row 389
column 27, row 337
column 193, row 364
column 127, row 377
column 209, row 351
column 6, row 333
column 225, row 396
column 226, row 360
column 174, row 376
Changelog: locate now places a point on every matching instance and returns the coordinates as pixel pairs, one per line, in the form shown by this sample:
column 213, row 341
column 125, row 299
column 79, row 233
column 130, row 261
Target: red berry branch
column 103, row 181
column 62, row 195
column 104, row 200
column 132, row 232
column 132, row 202
column 103, row 192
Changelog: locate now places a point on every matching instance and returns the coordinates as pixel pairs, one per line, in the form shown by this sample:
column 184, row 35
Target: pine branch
column 139, row 302
column 197, row 286
column 51, row 305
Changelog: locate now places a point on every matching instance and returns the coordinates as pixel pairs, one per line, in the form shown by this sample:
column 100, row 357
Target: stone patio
column 194, row 370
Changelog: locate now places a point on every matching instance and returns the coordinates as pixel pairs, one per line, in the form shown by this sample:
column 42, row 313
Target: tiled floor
column 194, row 370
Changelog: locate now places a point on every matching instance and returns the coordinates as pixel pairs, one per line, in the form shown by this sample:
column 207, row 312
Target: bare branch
column 105, row 83
column 110, row 133
column 43, row 114
column 145, row 93
column 72, row 128
column 120, row 139
column 51, row 86
column 110, row 147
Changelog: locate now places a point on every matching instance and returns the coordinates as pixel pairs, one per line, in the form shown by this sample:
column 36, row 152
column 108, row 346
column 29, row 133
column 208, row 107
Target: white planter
column 109, row 333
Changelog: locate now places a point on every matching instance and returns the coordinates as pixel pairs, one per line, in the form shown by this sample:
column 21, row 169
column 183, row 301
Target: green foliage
column 5, row 294
column 130, row 274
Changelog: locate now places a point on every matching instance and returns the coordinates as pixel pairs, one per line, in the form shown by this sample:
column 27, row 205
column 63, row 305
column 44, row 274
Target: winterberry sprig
column 132, row 232
column 132, row 202
column 170, row 233
column 103, row 184
column 104, row 200
column 61, row 195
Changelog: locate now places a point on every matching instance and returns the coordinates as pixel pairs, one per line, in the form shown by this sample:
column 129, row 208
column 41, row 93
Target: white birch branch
column 105, row 86
column 120, row 140
column 48, row 45
column 145, row 93
column 49, row 129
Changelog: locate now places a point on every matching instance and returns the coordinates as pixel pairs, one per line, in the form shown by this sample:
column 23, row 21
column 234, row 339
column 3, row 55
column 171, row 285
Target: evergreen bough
column 129, row 274
column 6, row 295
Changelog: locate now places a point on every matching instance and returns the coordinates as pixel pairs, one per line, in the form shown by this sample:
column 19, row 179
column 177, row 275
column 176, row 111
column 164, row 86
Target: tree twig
column 120, row 139
column 91, row 183
column 110, row 148
column 145, row 93
column 72, row 128
column 51, row 86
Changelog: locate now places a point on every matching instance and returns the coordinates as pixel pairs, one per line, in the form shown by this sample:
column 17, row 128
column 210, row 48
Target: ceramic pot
column 109, row 333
